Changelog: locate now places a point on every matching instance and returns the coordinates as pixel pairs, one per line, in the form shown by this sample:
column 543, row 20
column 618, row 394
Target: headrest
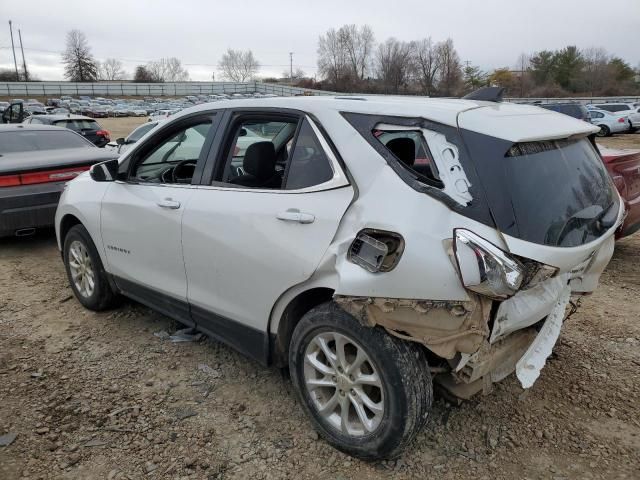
column 403, row 148
column 260, row 160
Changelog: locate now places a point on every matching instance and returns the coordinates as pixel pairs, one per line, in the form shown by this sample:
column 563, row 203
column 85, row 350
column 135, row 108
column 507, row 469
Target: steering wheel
column 183, row 171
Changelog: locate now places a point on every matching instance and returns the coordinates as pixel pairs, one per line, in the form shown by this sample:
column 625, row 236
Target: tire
column 404, row 393
column 78, row 244
column 604, row 131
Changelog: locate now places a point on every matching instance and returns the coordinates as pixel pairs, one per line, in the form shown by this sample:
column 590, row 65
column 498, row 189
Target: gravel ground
column 100, row 396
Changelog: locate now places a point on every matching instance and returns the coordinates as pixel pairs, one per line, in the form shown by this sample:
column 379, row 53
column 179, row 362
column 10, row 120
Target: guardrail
column 129, row 89
column 180, row 89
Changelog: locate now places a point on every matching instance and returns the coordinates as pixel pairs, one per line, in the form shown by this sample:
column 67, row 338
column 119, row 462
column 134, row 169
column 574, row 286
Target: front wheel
column 85, row 271
column 366, row 392
column 604, row 131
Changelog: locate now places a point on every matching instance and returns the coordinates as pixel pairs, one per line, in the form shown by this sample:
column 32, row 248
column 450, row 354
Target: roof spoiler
column 487, row 94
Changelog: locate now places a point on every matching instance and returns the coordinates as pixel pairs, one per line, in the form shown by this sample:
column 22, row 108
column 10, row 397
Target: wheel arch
column 280, row 333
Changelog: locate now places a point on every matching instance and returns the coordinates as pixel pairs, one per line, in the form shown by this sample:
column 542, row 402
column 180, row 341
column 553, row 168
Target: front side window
column 173, row 157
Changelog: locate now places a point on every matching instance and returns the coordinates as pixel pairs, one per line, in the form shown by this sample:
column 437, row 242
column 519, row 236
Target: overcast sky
column 488, row 33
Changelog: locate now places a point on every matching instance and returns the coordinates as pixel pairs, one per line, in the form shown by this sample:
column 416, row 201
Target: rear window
column 32, row 140
column 575, row 111
column 555, row 193
column 78, row 124
column 614, row 108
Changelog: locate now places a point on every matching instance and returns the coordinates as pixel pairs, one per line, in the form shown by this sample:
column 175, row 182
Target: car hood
column 45, row 159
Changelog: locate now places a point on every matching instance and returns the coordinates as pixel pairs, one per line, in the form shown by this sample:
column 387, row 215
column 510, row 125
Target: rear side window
column 32, row 140
column 309, row 164
column 412, row 151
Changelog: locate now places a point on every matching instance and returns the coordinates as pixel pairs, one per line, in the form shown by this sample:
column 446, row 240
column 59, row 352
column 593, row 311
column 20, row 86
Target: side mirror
column 104, row 171
column 120, row 141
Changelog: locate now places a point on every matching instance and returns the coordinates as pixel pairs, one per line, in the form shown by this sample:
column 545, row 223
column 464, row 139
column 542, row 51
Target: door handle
column 295, row 215
column 169, row 203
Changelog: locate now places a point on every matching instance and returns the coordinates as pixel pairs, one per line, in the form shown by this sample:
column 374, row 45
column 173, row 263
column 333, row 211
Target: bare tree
column 332, row 62
column 357, row 43
column 393, row 64
column 298, row 74
column 167, row 70
column 426, row 63
column 596, row 71
column 450, row 77
column 79, row 64
column 111, row 69
column 239, row 66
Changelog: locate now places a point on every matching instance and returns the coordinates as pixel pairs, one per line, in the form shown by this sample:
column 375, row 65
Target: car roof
column 505, row 120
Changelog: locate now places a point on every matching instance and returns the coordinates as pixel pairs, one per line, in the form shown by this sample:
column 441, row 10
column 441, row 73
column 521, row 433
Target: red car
column 624, row 168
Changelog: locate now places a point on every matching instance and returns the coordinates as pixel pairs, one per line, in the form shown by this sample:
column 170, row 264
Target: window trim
column 339, row 180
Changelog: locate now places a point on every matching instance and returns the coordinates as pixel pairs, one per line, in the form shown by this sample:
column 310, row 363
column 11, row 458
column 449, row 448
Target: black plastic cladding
column 477, row 209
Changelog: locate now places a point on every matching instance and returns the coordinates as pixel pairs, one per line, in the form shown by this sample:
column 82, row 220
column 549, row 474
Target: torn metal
column 444, row 327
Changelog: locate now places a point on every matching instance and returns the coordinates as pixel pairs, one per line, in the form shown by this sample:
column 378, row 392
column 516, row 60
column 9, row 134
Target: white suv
column 373, row 245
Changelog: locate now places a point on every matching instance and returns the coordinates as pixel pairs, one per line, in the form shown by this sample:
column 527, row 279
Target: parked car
column 627, row 109
column 624, row 168
column 161, row 115
column 85, row 126
column 573, row 109
column 35, row 163
column 609, row 123
column 121, row 145
column 324, row 250
column 3, row 106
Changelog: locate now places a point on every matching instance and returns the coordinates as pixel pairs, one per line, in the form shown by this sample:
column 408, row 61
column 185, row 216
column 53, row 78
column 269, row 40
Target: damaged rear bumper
column 525, row 330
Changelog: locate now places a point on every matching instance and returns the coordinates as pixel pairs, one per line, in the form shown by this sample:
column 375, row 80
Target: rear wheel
column 85, row 271
column 366, row 392
column 604, row 131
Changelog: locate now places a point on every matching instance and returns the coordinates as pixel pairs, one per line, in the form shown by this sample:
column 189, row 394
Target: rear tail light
column 9, row 180
column 104, row 133
column 621, row 120
column 484, row 268
column 58, row 175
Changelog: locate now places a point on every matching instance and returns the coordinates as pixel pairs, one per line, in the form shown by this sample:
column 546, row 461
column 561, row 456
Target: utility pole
column 24, row 62
column 291, row 68
column 13, row 48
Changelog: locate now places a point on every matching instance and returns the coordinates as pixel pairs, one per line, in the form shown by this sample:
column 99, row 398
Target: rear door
column 261, row 225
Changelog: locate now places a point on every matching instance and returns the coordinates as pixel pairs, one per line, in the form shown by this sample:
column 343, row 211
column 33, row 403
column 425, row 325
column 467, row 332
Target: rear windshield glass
column 614, row 108
column 78, row 124
column 554, row 193
column 31, row 140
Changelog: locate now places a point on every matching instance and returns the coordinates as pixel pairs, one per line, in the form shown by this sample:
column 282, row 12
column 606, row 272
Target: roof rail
column 487, row 94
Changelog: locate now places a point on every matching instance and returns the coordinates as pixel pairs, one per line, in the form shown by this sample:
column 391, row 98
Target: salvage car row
column 375, row 247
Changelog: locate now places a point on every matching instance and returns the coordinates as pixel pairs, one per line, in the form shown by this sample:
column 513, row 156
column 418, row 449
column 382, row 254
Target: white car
column 161, row 115
column 629, row 110
column 121, row 145
column 326, row 249
column 609, row 123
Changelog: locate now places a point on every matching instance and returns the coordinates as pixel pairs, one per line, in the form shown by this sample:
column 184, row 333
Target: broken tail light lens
column 484, row 268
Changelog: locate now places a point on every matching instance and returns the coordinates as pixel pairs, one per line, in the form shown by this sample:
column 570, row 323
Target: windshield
column 31, row 140
column 555, row 193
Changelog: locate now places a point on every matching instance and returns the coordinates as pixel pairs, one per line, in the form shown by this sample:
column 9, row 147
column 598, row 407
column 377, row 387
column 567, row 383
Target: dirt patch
column 627, row 140
column 99, row 396
column 121, row 127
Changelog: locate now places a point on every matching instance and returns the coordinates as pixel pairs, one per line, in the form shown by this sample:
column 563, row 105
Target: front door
column 262, row 226
column 142, row 214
